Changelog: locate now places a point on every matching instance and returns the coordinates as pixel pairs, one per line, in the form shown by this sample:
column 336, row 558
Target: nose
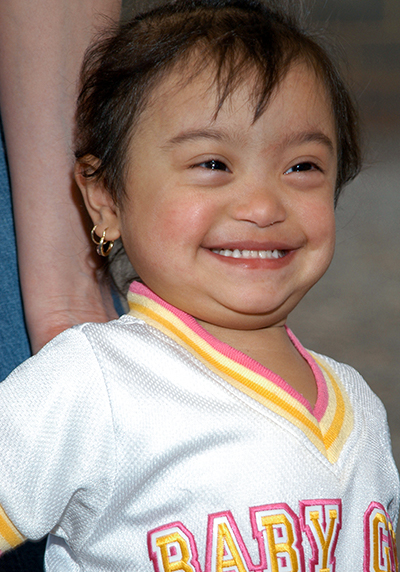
column 261, row 204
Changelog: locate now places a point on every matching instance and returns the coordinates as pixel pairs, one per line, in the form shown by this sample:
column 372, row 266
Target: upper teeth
column 249, row 253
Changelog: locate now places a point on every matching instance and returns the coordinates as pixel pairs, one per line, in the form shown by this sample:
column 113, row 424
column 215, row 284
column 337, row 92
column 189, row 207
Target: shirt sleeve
column 57, row 449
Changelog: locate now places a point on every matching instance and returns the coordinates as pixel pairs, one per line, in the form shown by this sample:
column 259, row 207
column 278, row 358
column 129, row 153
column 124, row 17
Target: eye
column 301, row 167
column 213, row 165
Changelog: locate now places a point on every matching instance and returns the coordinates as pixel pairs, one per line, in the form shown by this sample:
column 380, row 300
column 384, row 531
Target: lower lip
column 255, row 263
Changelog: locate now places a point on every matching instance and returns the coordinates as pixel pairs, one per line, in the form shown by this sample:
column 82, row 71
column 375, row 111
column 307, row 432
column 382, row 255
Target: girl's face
column 229, row 219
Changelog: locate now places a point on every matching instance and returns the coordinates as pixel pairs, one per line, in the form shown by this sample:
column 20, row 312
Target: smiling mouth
column 251, row 254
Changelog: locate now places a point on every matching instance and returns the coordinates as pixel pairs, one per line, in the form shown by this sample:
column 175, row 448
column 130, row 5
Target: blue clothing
column 14, row 343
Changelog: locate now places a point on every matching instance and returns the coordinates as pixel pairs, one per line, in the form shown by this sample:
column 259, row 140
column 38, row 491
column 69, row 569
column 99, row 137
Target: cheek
column 183, row 222
column 319, row 223
column 164, row 234
column 323, row 239
column 326, row 230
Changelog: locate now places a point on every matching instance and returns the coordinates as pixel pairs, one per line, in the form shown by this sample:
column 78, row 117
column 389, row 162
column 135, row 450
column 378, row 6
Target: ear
column 99, row 203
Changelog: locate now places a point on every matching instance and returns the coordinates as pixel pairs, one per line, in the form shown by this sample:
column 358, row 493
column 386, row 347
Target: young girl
column 196, row 433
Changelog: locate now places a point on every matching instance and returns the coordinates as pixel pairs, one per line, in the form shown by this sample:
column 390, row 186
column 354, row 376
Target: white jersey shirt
column 147, row 445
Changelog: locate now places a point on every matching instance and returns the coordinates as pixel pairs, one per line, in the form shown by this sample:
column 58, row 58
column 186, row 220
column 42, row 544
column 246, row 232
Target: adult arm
column 41, row 49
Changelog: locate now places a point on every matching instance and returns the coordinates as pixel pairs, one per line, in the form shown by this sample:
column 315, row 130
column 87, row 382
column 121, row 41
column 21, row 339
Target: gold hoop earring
column 104, row 247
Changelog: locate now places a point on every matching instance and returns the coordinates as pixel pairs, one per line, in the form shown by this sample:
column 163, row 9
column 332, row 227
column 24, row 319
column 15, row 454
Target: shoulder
column 69, row 365
column 126, row 330
column 79, row 346
column 89, row 359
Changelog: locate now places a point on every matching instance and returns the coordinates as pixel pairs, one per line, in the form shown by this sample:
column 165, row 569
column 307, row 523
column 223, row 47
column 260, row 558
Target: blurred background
column 353, row 313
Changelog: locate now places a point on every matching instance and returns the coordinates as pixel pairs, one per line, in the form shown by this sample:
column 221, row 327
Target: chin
column 262, row 305
column 249, row 318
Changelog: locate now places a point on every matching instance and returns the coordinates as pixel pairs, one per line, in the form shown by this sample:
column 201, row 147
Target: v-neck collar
column 327, row 425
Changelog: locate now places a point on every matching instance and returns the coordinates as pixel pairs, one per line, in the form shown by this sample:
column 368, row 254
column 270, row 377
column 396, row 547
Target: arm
column 41, row 48
column 57, row 441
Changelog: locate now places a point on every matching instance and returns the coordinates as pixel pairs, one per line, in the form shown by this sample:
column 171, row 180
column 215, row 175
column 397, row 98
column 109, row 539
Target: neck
column 272, row 348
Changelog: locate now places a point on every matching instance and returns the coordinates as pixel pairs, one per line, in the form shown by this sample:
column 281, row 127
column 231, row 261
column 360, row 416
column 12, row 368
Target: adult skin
column 41, row 49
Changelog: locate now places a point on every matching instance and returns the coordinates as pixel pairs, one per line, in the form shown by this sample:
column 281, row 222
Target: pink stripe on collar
column 243, row 359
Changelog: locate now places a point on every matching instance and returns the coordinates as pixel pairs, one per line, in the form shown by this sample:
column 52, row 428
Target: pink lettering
column 322, row 520
column 172, row 548
column 277, row 530
column 379, row 540
column 226, row 551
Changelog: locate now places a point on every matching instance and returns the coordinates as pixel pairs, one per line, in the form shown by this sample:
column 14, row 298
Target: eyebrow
column 193, row 134
column 309, row 137
column 218, row 135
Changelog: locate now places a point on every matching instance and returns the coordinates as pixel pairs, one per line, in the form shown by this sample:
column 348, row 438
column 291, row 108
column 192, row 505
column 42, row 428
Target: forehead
column 182, row 107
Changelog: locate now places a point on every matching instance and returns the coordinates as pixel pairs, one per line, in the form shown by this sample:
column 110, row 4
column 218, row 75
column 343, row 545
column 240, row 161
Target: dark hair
column 121, row 70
